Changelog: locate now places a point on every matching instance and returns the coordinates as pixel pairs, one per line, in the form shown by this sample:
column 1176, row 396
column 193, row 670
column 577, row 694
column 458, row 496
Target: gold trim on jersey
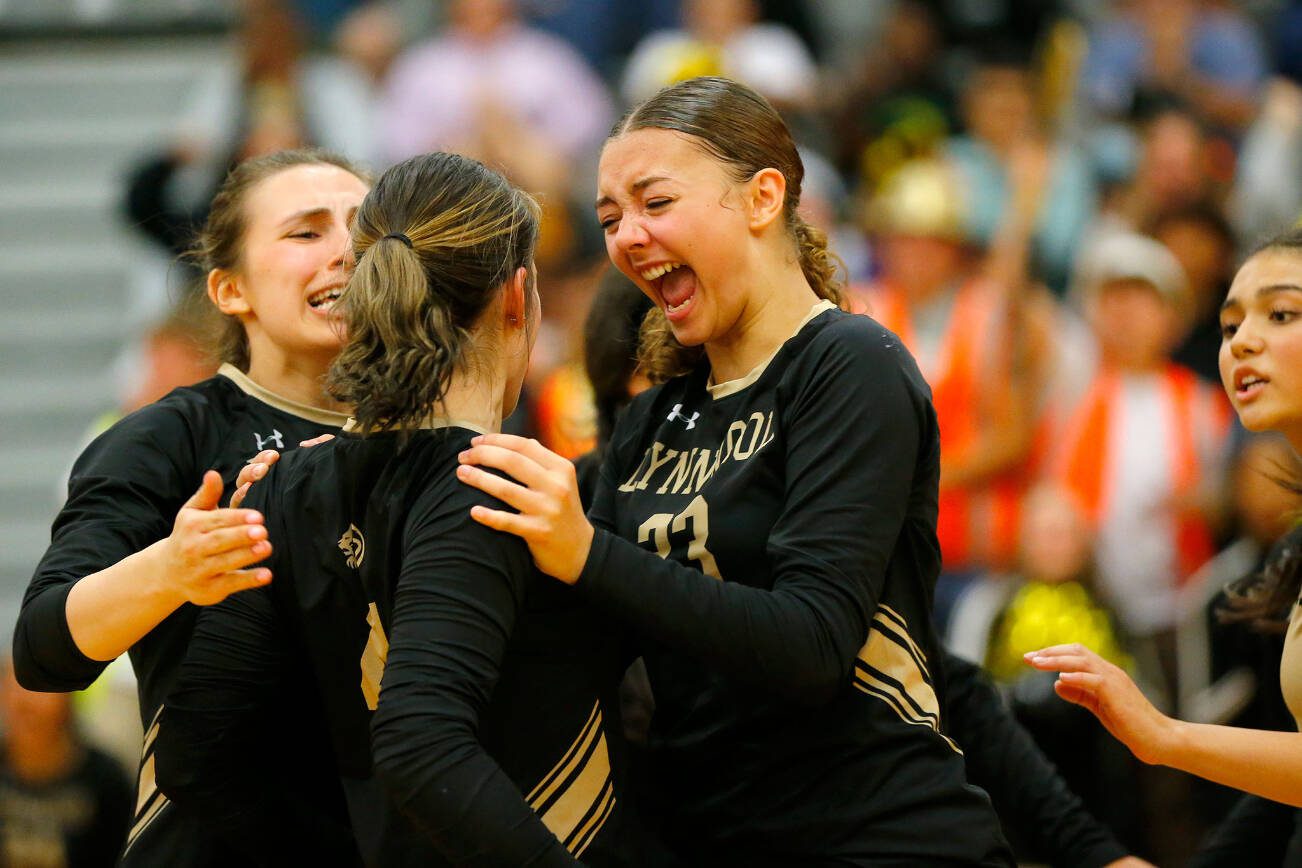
column 732, row 387
column 577, row 796
column 891, row 667
column 266, row 396
column 374, row 657
column 433, row 422
column 150, row 802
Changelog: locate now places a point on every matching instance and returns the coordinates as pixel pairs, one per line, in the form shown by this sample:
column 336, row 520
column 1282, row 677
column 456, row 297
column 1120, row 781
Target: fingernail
column 464, row 470
column 463, row 454
column 260, row 471
column 477, row 439
column 264, row 575
column 257, row 532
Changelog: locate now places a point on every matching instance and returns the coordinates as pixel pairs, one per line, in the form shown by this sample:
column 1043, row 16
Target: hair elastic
column 401, row 237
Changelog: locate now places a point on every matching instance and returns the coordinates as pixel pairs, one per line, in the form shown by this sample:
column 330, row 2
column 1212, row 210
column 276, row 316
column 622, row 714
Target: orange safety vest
column 1080, row 459
column 977, row 527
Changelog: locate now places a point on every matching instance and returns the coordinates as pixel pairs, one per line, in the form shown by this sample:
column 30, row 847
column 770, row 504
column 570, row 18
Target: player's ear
column 767, row 191
column 515, row 298
column 227, row 293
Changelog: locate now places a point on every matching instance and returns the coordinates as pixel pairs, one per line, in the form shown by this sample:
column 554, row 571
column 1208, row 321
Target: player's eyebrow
column 1262, row 292
column 306, row 214
column 637, row 187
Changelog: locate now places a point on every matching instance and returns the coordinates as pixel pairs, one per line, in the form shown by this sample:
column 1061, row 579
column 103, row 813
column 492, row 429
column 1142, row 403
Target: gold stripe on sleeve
column 892, row 668
column 577, row 796
column 149, row 801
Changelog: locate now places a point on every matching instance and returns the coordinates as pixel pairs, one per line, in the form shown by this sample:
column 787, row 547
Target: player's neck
column 768, row 320
column 474, row 399
column 299, row 380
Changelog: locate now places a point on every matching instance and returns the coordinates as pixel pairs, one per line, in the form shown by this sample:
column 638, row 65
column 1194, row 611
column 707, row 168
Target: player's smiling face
column 1261, row 343
column 294, row 259
column 674, row 224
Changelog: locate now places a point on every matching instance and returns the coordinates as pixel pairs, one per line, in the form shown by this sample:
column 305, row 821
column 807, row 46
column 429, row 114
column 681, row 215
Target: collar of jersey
column 280, row 402
column 732, row 387
column 429, row 423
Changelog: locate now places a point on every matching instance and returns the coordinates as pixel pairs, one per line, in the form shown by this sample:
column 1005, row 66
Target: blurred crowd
column 1044, row 199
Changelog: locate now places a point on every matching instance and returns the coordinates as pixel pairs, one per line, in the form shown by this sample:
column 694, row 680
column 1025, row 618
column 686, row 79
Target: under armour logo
column 353, row 545
column 274, row 438
column 676, row 413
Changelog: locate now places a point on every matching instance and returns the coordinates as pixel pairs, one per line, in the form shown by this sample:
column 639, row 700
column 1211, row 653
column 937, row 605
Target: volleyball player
column 483, row 684
column 135, row 549
column 1261, row 370
column 766, row 517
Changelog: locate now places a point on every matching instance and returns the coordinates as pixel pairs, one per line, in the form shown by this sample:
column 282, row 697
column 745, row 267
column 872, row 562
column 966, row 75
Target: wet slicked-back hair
column 737, row 127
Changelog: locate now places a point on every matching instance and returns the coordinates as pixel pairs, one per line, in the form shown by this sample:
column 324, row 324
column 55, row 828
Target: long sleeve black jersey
column 123, row 495
column 789, row 645
column 486, row 687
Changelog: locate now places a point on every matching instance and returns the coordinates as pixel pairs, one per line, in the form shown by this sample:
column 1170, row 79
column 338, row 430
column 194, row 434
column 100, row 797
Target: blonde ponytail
column 435, row 240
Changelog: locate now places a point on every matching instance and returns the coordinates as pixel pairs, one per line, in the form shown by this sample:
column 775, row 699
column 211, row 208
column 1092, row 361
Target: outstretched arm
column 202, row 561
column 1261, row 762
column 855, row 428
column 133, row 543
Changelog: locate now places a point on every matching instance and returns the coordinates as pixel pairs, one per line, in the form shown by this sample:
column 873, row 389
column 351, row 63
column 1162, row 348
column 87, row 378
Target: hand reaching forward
column 205, row 556
column 543, row 488
column 1107, row 691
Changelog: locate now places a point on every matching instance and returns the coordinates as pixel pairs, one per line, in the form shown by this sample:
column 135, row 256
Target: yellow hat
column 922, row 197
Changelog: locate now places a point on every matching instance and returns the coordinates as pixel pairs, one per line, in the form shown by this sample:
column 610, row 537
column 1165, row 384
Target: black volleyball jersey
column 123, row 495
column 789, row 642
column 485, row 686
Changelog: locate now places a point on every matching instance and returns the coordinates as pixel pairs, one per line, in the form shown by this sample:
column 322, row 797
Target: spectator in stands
column 1143, row 450
column 1002, row 129
column 492, row 87
column 1268, row 184
column 513, row 97
column 1203, row 51
column 894, row 104
column 62, row 804
column 932, row 293
column 724, row 37
column 1050, row 599
column 1203, row 243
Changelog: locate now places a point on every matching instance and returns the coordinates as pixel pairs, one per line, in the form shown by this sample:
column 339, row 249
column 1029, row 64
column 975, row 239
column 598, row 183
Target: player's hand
column 1088, row 680
column 257, row 466
column 1130, row 862
column 543, row 488
column 206, row 556
column 253, row 470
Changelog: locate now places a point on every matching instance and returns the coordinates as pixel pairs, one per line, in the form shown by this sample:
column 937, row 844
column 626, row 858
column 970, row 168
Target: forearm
column 113, row 609
column 798, row 644
column 442, row 778
column 1262, row 762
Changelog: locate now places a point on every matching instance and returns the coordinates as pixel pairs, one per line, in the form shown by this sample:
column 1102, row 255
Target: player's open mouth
column 1248, row 384
column 676, row 285
column 324, row 299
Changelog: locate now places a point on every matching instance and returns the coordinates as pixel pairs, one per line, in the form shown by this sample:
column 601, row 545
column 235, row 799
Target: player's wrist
column 160, row 577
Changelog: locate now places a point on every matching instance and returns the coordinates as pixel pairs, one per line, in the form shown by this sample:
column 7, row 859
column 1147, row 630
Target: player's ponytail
column 434, row 241
column 736, row 126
